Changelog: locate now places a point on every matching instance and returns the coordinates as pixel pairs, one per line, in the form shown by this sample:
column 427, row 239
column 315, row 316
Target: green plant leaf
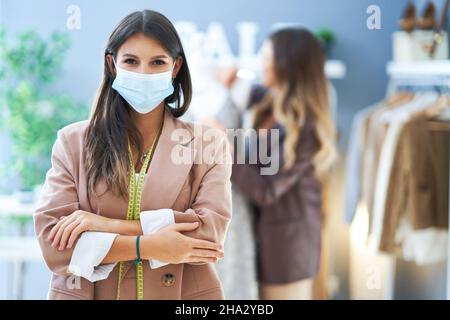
column 31, row 113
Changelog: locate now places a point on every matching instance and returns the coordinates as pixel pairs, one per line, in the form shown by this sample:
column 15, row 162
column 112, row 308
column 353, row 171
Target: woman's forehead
column 144, row 47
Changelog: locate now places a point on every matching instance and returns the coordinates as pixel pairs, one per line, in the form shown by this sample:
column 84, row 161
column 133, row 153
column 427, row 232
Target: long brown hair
column 299, row 63
column 106, row 151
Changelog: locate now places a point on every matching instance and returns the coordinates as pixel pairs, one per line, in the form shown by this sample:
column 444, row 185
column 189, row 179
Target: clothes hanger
column 445, row 112
column 398, row 98
column 435, row 109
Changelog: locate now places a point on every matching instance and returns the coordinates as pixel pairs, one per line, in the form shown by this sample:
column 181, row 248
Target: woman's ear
column 109, row 61
column 178, row 64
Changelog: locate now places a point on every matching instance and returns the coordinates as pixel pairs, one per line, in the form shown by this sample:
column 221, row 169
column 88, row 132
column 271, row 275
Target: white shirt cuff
column 89, row 252
column 151, row 222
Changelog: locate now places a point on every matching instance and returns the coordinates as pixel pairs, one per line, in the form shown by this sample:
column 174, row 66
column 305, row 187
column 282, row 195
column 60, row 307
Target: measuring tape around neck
column 134, row 211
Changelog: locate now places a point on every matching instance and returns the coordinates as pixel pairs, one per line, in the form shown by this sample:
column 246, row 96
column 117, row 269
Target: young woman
column 294, row 100
column 120, row 216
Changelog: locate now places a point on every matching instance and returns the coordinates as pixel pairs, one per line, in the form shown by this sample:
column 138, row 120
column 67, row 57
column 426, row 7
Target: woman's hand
column 169, row 245
column 227, row 76
column 69, row 228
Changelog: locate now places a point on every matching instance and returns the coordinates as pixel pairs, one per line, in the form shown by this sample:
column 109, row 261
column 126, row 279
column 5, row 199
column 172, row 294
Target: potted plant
column 31, row 112
column 327, row 38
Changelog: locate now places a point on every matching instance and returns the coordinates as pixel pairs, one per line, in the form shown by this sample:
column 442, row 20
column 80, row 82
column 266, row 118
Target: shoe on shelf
column 428, row 19
column 408, row 20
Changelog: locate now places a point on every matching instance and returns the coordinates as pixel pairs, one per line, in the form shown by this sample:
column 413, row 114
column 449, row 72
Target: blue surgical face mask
column 144, row 92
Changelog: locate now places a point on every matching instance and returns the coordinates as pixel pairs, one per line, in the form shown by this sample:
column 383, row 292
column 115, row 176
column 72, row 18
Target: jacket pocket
column 422, row 204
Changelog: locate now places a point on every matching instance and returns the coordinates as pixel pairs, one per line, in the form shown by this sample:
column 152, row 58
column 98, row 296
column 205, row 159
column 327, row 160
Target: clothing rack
column 426, row 73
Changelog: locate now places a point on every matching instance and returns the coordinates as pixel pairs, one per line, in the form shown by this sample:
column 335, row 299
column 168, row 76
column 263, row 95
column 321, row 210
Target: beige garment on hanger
column 408, row 175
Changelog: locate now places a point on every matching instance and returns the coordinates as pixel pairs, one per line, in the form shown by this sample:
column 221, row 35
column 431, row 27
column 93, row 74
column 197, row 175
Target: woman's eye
column 159, row 62
column 130, row 61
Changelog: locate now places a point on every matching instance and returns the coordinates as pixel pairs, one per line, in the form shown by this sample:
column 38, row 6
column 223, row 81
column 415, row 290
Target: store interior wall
column 365, row 53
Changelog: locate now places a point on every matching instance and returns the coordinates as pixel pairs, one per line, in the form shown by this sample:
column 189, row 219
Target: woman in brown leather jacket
column 288, row 204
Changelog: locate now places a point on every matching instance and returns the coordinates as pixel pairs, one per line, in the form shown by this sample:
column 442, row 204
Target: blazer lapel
column 165, row 176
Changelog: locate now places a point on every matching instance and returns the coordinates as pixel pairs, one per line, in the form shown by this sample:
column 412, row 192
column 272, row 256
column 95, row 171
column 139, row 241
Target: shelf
column 335, row 69
column 20, row 249
column 436, row 68
column 11, row 206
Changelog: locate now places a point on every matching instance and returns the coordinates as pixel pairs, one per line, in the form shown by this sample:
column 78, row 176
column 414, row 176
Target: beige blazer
column 418, row 186
column 196, row 191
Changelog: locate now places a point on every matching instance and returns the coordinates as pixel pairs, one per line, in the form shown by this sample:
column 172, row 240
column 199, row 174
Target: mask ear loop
column 114, row 62
column 173, row 80
column 173, row 68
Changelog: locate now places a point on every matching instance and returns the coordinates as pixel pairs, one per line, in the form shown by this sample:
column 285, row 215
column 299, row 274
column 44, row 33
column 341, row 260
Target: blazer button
column 168, row 279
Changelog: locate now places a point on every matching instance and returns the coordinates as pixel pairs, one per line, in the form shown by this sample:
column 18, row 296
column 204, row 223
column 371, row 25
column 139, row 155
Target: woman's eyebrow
column 130, row 55
column 160, row 56
column 154, row 57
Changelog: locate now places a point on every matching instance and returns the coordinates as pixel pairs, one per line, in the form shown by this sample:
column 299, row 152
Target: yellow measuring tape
column 134, row 211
